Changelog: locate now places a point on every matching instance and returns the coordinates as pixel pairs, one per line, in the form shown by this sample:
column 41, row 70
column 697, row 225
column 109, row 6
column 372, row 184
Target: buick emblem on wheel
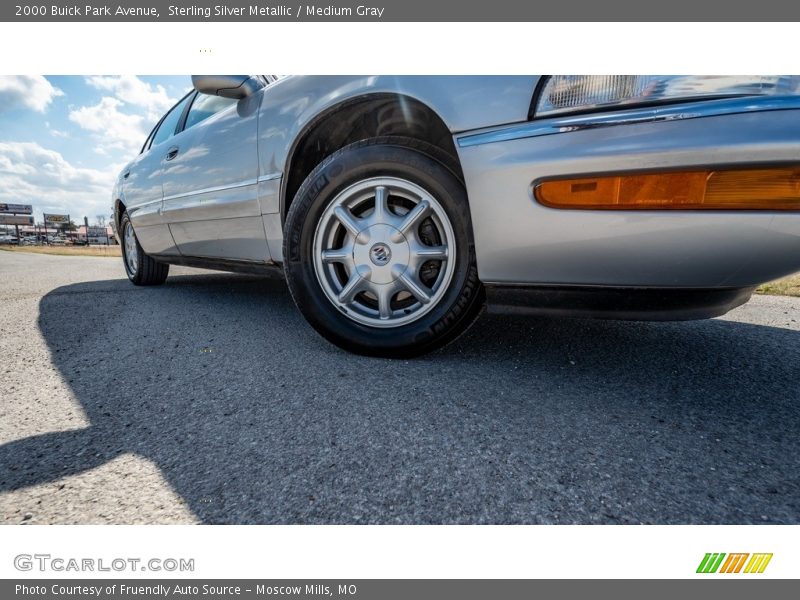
column 380, row 254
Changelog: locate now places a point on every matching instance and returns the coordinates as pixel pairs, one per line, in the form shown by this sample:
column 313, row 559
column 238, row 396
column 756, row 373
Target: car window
column 167, row 128
column 204, row 106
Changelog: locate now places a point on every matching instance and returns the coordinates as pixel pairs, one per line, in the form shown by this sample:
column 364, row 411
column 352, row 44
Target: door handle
column 127, row 174
column 172, row 152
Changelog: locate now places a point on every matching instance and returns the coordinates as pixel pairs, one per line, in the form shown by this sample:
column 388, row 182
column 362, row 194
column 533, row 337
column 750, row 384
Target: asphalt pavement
column 210, row 400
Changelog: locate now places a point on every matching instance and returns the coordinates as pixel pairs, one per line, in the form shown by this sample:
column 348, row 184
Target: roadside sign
column 15, row 220
column 19, row 209
column 97, row 232
column 56, row 219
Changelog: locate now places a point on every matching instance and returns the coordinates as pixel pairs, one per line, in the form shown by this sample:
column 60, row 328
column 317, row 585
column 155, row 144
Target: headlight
column 574, row 93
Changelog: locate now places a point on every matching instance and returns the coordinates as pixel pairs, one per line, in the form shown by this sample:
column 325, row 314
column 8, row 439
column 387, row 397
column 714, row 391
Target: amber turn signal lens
column 750, row 189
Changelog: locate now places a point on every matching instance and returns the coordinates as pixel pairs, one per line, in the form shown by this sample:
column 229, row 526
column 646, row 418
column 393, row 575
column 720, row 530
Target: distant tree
column 70, row 226
column 101, row 220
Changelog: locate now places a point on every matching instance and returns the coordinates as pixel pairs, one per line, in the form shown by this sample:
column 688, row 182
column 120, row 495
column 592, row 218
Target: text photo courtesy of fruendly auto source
column 389, row 299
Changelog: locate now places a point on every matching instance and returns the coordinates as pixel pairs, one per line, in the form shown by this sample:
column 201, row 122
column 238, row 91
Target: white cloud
column 32, row 174
column 152, row 99
column 55, row 132
column 33, row 92
column 125, row 114
column 113, row 129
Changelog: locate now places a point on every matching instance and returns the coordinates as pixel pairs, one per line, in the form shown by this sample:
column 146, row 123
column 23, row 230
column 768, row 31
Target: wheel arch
column 119, row 208
column 359, row 118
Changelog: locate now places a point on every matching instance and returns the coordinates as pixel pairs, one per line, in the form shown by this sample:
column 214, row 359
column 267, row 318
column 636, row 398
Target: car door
column 211, row 181
column 142, row 185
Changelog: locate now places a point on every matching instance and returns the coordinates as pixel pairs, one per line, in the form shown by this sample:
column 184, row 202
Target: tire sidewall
column 341, row 170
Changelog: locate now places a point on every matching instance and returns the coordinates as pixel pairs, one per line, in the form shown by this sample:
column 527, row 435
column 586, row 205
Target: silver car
column 398, row 207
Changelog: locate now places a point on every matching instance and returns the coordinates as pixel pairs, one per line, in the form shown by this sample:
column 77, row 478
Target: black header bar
column 400, row 11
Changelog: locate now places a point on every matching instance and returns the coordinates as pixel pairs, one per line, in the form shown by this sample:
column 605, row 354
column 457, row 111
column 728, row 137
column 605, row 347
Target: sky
column 64, row 140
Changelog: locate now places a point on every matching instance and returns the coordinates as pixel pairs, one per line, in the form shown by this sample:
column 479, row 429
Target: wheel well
column 119, row 208
column 360, row 119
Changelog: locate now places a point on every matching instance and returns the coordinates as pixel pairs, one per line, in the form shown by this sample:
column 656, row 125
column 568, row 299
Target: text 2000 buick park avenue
column 399, row 206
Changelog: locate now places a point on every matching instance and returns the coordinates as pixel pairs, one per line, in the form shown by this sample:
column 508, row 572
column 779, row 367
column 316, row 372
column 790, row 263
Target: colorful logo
column 713, row 562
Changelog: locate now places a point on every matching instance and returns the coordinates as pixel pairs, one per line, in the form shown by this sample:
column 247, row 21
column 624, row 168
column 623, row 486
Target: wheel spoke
column 410, row 221
column 351, row 288
column 385, row 293
column 347, row 220
column 338, row 255
column 381, row 213
column 414, row 285
column 430, row 252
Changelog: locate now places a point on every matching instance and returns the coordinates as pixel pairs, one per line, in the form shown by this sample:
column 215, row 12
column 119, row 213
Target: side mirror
column 227, row 86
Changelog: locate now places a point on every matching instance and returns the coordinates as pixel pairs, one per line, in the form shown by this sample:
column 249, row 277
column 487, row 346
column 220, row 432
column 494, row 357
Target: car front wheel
column 378, row 249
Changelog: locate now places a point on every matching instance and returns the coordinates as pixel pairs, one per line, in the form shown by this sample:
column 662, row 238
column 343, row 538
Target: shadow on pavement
column 253, row 418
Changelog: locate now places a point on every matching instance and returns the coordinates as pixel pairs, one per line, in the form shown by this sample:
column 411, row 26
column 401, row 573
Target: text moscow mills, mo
column 298, row 11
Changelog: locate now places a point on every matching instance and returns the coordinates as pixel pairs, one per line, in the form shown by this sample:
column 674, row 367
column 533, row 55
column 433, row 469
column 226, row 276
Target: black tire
column 424, row 165
column 148, row 271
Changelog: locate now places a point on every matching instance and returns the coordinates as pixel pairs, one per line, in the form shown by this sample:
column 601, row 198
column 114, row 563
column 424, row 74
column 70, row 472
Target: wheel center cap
column 380, row 254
